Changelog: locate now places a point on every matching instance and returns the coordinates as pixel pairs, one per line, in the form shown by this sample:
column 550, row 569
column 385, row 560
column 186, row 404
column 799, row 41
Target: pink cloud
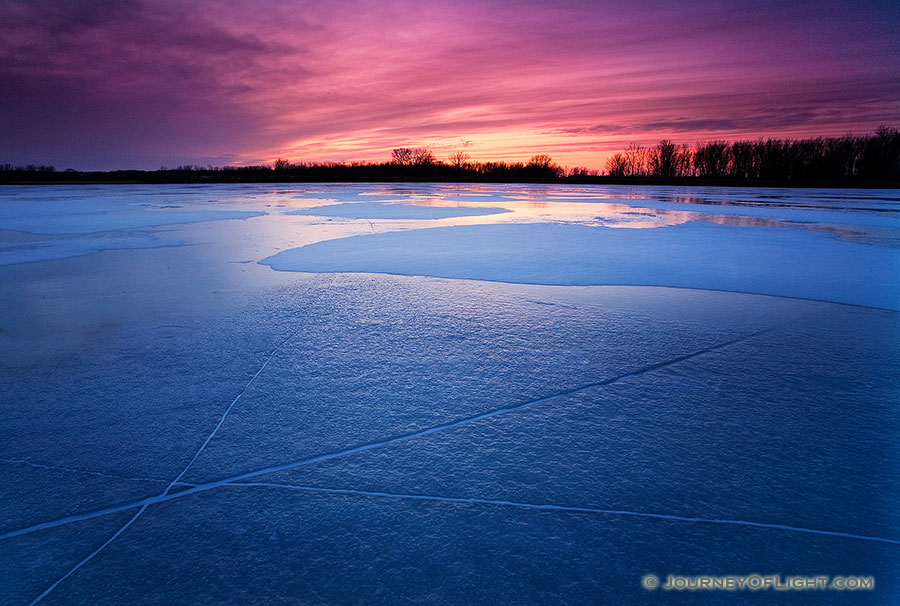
column 107, row 84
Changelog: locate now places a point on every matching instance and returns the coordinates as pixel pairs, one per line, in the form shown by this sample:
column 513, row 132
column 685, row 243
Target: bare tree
column 408, row 156
column 401, row 155
column 540, row 161
column 684, row 161
column 459, row 159
column 617, row 165
column 422, row 156
column 636, row 160
column 712, row 159
column 662, row 159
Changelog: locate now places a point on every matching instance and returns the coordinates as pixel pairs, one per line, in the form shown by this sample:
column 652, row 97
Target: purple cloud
column 103, row 84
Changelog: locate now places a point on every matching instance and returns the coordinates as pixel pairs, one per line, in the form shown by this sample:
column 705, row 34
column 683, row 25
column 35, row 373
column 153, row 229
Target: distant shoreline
column 869, row 161
column 209, row 177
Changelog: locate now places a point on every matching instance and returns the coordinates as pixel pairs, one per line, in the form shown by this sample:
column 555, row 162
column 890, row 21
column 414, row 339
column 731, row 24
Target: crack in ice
column 88, row 558
column 166, row 496
column 237, row 480
column 177, row 481
column 567, row 508
column 227, row 411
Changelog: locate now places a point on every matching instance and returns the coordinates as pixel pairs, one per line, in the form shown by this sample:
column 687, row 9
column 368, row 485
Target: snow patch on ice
column 789, row 262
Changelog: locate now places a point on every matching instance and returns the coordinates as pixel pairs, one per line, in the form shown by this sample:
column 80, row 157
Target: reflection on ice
column 382, row 210
column 134, row 216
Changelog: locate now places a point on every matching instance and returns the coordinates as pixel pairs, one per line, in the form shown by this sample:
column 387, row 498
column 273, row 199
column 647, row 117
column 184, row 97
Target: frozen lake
column 441, row 393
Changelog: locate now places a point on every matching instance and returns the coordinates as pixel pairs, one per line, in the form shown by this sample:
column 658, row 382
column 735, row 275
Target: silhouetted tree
column 540, row 161
column 848, row 160
column 636, row 161
column 582, row 171
column 880, row 155
column 409, row 156
column 742, row 164
column 422, row 156
column 402, row 156
column 662, row 159
column 459, row 159
column 711, row 159
column 541, row 166
column 617, row 165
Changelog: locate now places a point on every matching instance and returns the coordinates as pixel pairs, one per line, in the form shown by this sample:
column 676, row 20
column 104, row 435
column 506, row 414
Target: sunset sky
column 102, row 84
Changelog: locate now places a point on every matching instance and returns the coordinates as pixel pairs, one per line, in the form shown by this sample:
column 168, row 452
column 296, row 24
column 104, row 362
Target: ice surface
column 31, row 563
column 774, row 261
column 100, row 214
column 611, row 441
column 264, row 545
column 442, row 440
column 800, row 211
column 60, row 248
column 51, row 223
column 381, row 210
column 88, row 223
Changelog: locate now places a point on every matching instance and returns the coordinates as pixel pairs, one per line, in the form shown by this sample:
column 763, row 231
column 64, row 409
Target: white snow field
column 764, row 260
column 439, row 393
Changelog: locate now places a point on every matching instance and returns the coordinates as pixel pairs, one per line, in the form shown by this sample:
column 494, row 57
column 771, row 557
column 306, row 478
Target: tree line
column 407, row 164
column 872, row 160
column 869, row 158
